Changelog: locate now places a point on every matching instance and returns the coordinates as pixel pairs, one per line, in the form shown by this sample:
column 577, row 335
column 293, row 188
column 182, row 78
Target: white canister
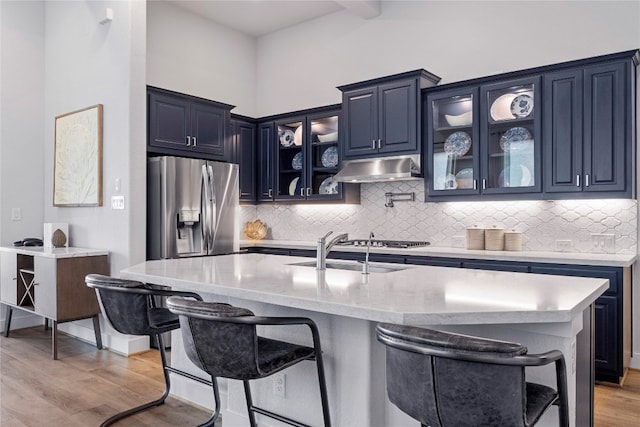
column 494, row 239
column 512, row 240
column 475, row 238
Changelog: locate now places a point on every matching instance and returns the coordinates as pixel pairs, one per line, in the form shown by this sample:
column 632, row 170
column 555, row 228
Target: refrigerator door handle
column 204, row 191
column 213, row 207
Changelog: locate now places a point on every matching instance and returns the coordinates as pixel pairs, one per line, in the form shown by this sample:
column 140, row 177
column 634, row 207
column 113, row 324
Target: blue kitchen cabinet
column 184, row 125
column 382, row 116
column 588, row 130
column 612, row 309
column 243, row 140
column 266, row 167
column 299, row 154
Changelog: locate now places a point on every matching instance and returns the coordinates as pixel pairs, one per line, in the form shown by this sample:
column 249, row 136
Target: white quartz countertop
column 53, row 252
column 420, row 295
column 604, row 259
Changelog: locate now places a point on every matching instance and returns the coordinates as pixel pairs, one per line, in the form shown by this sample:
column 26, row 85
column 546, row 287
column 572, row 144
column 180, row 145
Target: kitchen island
column 543, row 312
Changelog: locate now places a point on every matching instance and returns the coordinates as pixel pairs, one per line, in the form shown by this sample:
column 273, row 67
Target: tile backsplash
column 443, row 224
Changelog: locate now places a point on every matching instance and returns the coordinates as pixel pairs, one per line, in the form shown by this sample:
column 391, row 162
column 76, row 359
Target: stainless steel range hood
column 380, row 169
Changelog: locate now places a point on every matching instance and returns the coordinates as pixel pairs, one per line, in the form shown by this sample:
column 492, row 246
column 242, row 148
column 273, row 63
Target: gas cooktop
column 403, row 244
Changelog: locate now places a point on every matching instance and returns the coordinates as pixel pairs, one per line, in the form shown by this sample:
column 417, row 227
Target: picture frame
column 77, row 171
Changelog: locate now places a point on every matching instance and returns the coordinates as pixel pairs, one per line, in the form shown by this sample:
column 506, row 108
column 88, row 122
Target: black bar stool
column 131, row 309
column 443, row 379
column 222, row 341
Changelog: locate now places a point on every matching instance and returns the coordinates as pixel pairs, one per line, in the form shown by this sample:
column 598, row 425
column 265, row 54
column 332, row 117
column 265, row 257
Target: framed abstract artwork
column 77, row 171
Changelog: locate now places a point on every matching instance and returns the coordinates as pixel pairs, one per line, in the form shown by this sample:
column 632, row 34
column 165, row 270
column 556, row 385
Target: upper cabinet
column 184, row 125
column 560, row 131
column 588, row 127
column 382, row 116
column 299, row 154
column 243, row 137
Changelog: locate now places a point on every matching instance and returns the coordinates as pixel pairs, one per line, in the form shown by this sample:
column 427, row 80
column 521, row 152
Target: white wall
column 89, row 63
column 21, row 118
column 193, row 55
column 301, row 66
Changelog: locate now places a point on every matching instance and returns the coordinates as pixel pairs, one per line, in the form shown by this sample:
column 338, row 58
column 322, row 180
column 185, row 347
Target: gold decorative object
column 58, row 239
column 255, row 230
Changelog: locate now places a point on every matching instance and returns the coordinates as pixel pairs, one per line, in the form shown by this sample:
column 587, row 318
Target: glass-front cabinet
column 453, row 148
column 511, row 134
column 483, row 139
column 308, row 157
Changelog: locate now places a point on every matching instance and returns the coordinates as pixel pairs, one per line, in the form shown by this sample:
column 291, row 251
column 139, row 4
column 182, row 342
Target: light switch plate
column 603, row 242
column 16, row 214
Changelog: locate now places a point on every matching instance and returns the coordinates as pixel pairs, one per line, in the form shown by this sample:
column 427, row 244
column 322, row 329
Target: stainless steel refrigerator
column 192, row 208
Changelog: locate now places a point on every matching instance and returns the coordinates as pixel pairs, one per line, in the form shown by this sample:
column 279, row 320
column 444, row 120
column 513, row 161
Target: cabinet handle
column 475, row 184
column 577, row 180
column 270, row 193
column 484, row 184
column 586, row 180
column 195, row 141
column 302, row 192
column 373, row 144
column 308, row 191
column 14, row 278
column 36, row 283
column 188, row 141
column 379, row 144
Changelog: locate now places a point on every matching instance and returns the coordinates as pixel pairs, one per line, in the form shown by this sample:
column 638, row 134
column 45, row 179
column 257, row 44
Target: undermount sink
column 352, row 266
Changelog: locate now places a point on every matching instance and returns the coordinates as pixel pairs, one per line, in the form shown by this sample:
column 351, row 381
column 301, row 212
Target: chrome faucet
column 324, row 248
column 365, row 265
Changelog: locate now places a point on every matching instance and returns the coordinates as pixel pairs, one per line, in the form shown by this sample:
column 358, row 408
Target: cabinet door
column 511, row 137
column 607, row 334
column 290, row 159
column 562, row 129
column 169, row 121
column 322, row 156
column 243, row 137
column 207, row 132
column 607, row 155
column 8, row 278
column 453, row 143
column 398, row 111
column 360, row 109
column 45, row 282
column 265, row 162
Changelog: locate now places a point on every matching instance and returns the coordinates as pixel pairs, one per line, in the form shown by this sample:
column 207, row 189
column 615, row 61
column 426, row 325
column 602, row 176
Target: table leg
column 54, row 339
column 96, row 331
column 7, row 320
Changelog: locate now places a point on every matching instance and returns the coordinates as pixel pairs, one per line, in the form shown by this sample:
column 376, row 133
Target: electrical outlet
column 457, row 241
column 603, row 242
column 117, row 202
column 279, row 384
column 563, row 245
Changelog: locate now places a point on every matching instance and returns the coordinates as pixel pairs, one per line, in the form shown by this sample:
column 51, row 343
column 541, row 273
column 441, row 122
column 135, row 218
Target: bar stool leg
column 216, row 397
column 54, row 339
column 97, row 332
column 247, row 394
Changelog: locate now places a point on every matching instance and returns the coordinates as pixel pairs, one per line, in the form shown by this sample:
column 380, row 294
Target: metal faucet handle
column 325, row 236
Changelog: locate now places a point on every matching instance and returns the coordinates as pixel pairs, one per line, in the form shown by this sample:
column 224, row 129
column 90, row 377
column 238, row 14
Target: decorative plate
column 297, row 136
column 457, row 144
column 329, row 158
column 464, row 178
column 513, row 136
column 296, row 163
column 328, row 186
column 501, row 107
column 293, row 185
column 287, row 138
column 515, row 177
column 522, row 105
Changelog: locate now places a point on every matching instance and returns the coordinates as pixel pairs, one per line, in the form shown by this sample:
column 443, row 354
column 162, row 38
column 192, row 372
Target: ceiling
column 260, row 17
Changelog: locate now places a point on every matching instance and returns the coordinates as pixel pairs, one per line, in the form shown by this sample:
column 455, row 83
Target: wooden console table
column 50, row 282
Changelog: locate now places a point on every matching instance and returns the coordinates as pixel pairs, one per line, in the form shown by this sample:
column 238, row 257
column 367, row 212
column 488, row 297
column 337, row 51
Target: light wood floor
column 86, row 386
